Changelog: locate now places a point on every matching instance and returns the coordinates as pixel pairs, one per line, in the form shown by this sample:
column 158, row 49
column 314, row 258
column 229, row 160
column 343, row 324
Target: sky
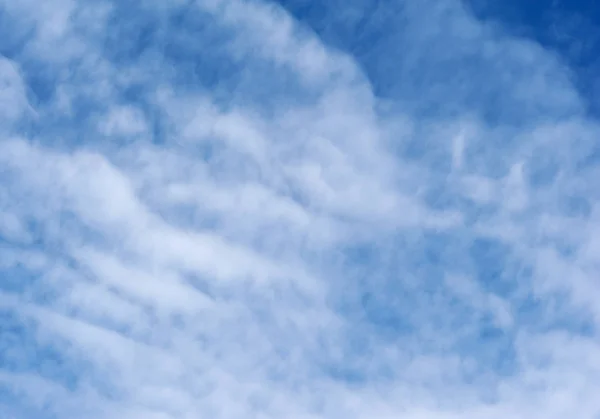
column 302, row 210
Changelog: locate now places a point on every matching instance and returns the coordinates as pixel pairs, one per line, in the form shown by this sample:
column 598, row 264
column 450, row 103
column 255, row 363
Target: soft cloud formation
column 207, row 210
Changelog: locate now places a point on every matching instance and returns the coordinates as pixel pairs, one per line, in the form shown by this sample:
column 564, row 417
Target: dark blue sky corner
column 367, row 29
column 571, row 29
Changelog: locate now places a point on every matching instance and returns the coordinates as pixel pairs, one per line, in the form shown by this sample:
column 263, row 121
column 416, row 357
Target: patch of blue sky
column 465, row 65
column 567, row 28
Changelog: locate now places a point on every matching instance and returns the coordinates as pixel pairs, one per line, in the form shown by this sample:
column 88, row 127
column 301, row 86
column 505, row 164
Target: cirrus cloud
column 207, row 211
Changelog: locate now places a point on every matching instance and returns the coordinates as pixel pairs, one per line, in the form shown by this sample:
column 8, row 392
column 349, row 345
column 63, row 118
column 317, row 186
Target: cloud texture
column 207, row 211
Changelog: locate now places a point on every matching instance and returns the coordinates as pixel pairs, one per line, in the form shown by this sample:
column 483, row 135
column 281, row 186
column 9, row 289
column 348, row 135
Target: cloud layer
column 208, row 211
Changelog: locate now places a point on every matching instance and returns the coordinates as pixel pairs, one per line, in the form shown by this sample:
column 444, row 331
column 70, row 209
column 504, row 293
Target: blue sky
column 253, row 209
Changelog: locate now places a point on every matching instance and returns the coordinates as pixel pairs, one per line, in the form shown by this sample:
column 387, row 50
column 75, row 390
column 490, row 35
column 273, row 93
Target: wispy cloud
column 208, row 211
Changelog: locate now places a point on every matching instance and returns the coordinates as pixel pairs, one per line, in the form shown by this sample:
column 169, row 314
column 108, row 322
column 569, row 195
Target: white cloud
column 278, row 243
column 13, row 101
